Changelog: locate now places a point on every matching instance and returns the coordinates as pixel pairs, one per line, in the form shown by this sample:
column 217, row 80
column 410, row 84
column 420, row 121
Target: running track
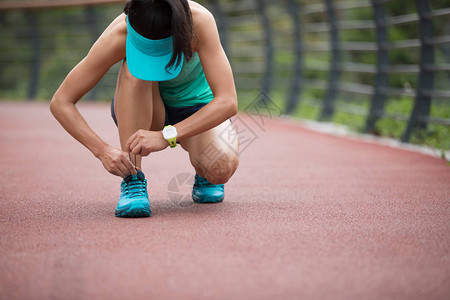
column 322, row 218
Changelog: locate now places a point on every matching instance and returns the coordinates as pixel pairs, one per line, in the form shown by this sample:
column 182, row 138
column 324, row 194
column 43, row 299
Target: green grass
column 307, row 111
column 435, row 136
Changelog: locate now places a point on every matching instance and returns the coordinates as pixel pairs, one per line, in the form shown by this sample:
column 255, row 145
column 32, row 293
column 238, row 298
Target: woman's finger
column 123, row 169
column 134, row 144
column 127, row 163
column 117, row 172
column 130, row 141
column 136, row 149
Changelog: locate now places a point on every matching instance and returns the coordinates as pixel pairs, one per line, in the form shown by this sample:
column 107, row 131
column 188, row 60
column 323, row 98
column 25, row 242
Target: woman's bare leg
column 137, row 105
column 213, row 157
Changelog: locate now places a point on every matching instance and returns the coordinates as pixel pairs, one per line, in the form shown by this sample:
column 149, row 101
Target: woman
column 175, row 85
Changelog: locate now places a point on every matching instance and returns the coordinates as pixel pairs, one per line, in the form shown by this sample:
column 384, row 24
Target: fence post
column 333, row 81
column 267, row 29
column 35, row 45
column 382, row 75
column 422, row 102
column 296, row 84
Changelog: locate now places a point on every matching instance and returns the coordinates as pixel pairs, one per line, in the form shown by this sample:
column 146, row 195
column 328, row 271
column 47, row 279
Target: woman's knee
column 128, row 79
column 221, row 169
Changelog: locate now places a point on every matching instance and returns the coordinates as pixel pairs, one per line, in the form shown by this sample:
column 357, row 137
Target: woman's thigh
column 214, row 153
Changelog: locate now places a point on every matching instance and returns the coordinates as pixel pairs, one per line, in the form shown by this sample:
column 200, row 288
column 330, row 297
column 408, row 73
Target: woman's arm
column 220, row 78
column 107, row 51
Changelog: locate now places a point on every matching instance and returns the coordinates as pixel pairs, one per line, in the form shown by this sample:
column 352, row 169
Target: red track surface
column 322, row 218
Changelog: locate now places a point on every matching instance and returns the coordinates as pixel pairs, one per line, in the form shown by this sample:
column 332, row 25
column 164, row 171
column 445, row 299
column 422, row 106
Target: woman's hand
column 144, row 142
column 117, row 162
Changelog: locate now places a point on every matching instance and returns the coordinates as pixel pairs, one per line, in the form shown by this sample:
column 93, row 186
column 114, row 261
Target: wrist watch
column 170, row 135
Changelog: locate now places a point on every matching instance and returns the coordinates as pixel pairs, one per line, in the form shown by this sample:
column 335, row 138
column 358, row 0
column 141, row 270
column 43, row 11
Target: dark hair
column 158, row 19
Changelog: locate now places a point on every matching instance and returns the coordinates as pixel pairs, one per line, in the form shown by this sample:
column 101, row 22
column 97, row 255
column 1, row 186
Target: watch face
column 169, row 132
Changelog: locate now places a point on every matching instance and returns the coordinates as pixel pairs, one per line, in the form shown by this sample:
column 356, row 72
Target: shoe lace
column 136, row 187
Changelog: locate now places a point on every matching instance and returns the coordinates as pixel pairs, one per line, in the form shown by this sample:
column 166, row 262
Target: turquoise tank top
column 189, row 88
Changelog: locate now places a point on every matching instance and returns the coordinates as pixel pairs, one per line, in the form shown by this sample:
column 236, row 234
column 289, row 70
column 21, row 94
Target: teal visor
column 147, row 59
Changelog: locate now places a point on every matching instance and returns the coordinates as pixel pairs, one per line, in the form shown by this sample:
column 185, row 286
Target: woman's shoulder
column 112, row 42
column 118, row 27
column 115, row 34
column 200, row 15
column 203, row 21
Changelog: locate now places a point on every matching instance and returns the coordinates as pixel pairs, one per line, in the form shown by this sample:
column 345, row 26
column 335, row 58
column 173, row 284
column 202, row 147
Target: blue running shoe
column 206, row 192
column 133, row 201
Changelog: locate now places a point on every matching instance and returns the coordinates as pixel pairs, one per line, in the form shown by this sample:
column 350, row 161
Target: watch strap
column 172, row 142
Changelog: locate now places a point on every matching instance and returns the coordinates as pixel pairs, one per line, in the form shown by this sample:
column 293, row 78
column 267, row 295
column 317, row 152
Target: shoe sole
column 207, row 200
column 133, row 212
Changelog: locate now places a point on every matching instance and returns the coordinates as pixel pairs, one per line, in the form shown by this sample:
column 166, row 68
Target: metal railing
column 298, row 52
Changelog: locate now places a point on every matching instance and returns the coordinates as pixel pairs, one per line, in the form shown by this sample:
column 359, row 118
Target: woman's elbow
column 233, row 105
column 55, row 104
column 52, row 106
